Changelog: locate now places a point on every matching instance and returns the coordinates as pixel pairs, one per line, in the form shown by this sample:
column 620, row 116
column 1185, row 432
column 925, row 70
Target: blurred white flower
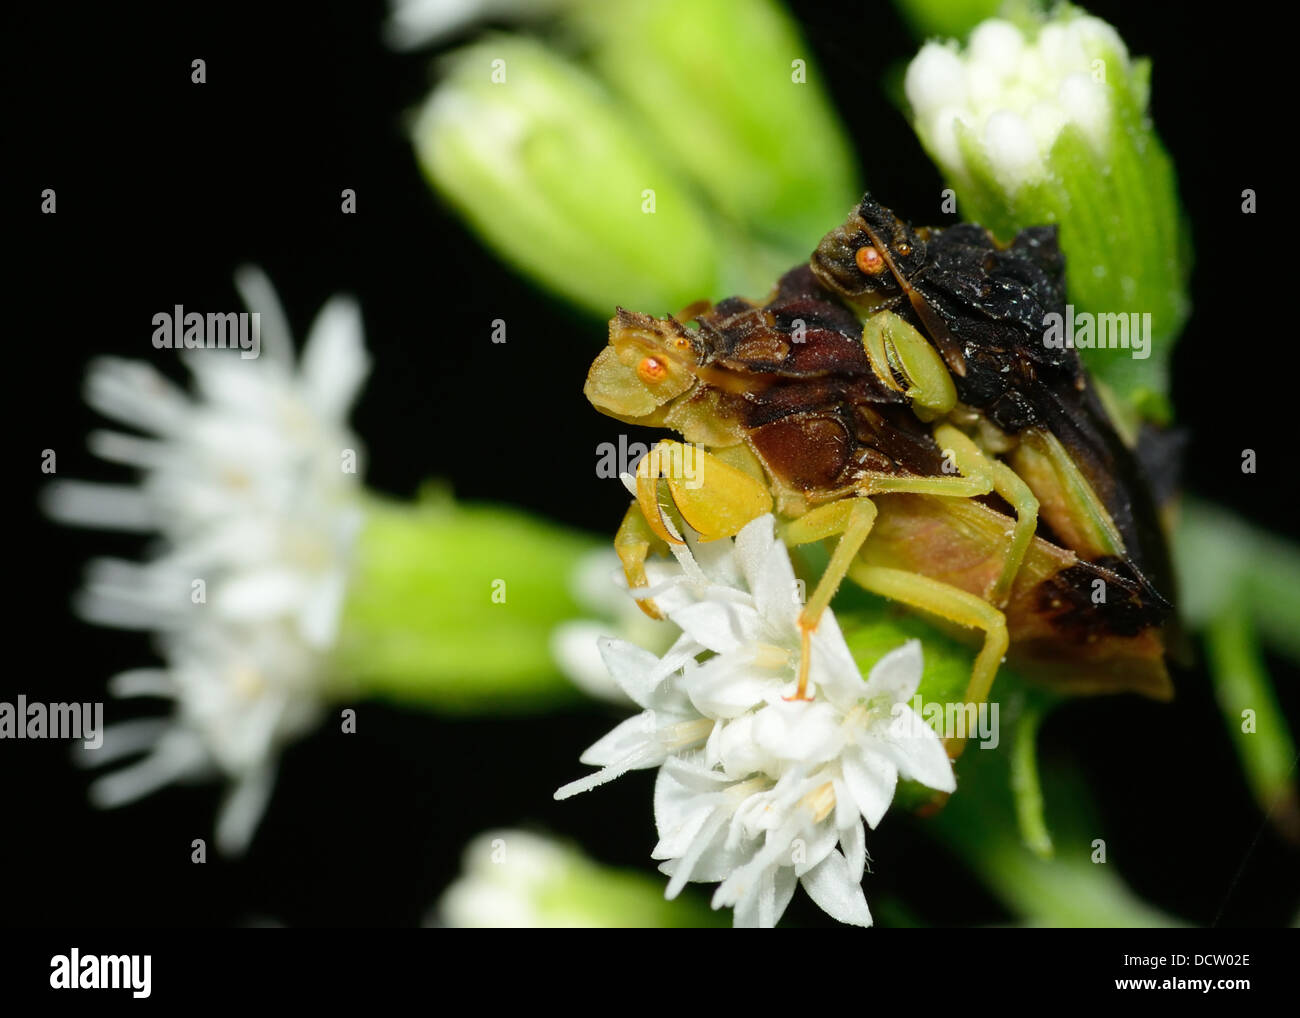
column 520, row 880
column 504, row 879
column 253, row 485
column 416, row 23
column 756, row 790
column 1014, row 95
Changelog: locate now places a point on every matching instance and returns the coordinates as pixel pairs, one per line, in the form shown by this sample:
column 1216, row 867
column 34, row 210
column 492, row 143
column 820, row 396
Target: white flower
column 250, row 485
column 506, row 875
column 758, row 791
column 1015, row 95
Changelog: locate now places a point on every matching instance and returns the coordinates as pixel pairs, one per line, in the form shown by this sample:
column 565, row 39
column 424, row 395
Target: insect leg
column 1007, row 483
column 892, row 345
column 972, row 473
column 697, row 488
column 647, row 490
column 714, row 497
column 951, row 603
column 873, row 342
column 930, row 318
column 633, row 544
column 852, row 519
column 1070, row 504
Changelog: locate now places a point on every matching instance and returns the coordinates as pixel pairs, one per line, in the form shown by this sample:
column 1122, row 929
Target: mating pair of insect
column 896, row 394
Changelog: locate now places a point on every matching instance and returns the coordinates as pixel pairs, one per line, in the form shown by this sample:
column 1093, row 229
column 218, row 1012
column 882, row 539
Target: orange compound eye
column 904, row 249
column 651, row 370
column 869, row 261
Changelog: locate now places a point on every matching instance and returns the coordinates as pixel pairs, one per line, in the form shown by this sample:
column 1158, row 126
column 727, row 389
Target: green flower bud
column 454, row 606
column 731, row 93
column 1052, row 127
column 550, row 172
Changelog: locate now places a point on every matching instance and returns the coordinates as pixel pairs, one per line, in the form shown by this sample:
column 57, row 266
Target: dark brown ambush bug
column 983, row 307
column 852, row 429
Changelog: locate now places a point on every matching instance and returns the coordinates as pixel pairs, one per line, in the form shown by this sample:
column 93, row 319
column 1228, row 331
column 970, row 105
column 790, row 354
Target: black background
column 164, row 187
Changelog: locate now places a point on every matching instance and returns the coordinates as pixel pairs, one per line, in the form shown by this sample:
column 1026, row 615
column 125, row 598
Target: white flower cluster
column 756, row 790
column 1015, row 94
column 249, row 486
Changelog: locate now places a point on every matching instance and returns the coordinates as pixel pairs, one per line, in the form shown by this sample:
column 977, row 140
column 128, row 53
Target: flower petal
column 631, row 667
column 242, row 809
column 871, row 779
column 853, row 841
column 752, row 545
column 896, row 675
column 334, row 363
column 915, row 749
column 818, row 846
column 729, row 685
column 718, row 626
column 627, row 737
column 832, row 887
column 776, row 595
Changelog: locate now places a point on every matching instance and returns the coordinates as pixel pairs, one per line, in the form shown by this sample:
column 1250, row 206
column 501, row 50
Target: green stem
column 1077, row 887
column 1025, row 786
column 1253, row 715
